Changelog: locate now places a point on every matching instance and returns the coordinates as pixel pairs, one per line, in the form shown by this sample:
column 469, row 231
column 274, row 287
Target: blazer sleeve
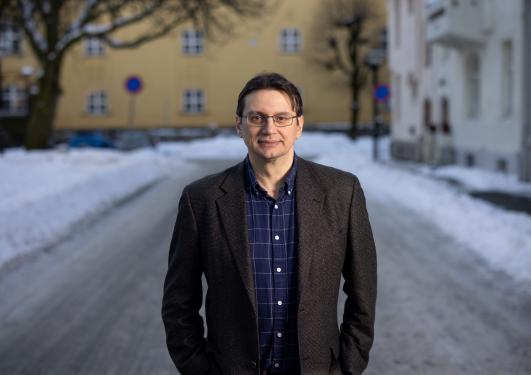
column 359, row 272
column 183, row 295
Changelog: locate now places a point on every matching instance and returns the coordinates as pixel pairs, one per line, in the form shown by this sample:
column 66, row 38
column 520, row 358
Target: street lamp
column 374, row 59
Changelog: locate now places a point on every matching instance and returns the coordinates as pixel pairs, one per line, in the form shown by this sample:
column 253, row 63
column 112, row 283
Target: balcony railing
column 454, row 22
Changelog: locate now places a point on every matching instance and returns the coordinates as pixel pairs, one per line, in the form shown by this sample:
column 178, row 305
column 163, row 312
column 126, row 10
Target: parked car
column 133, row 139
column 91, row 139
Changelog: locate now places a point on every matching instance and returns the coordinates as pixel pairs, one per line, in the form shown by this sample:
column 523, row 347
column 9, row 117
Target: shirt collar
column 254, row 186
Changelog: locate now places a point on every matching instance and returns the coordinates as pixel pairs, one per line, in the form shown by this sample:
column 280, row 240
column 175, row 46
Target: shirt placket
column 279, row 283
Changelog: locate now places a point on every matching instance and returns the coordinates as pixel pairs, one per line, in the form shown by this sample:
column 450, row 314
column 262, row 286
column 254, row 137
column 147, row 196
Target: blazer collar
column 233, row 217
column 310, row 197
column 232, row 212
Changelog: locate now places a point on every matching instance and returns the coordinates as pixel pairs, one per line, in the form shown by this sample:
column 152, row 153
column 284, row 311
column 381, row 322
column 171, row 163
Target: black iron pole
column 375, row 112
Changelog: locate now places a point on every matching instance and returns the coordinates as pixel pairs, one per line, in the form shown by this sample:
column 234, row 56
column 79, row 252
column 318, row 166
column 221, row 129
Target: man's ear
column 239, row 125
column 300, row 125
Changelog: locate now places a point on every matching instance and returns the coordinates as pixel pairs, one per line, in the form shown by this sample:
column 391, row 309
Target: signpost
column 375, row 58
column 133, row 85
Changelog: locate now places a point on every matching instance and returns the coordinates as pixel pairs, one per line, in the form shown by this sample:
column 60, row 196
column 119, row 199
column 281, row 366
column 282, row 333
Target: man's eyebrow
column 263, row 114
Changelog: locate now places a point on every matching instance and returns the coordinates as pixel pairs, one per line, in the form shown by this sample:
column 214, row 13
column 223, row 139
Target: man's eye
column 256, row 118
column 281, row 118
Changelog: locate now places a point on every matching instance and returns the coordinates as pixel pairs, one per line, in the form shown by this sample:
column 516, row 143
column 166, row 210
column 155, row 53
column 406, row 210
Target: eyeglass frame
column 265, row 117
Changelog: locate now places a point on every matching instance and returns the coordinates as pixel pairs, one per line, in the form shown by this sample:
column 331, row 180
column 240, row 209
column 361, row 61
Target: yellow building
column 188, row 80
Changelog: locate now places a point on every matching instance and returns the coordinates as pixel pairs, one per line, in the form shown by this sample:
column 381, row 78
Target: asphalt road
column 91, row 305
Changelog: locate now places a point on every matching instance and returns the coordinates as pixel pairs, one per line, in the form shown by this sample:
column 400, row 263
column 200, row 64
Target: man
column 272, row 235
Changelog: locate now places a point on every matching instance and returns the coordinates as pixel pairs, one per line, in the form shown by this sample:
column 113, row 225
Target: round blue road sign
column 382, row 92
column 133, row 84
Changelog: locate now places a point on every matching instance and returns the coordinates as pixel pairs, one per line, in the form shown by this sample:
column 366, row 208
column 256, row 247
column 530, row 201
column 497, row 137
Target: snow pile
column 226, row 147
column 501, row 237
column 46, row 193
column 481, row 180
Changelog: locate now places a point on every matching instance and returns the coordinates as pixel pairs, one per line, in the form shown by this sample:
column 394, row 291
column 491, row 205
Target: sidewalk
column 493, row 187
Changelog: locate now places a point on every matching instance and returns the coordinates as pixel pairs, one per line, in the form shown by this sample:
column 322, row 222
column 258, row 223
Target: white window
column 397, row 104
column 94, row 47
column 14, row 100
column 97, row 103
column 290, row 40
column 193, row 101
column 398, row 23
column 192, row 42
column 10, row 38
column 507, row 78
column 473, row 82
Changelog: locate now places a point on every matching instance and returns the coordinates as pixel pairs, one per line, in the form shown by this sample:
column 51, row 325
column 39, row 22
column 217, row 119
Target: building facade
column 460, row 82
column 187, row 80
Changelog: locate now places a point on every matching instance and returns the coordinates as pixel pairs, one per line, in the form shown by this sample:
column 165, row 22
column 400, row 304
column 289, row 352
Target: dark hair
column 271, row 81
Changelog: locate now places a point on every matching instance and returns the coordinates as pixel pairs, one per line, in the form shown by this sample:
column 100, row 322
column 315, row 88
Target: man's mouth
column 268, row 142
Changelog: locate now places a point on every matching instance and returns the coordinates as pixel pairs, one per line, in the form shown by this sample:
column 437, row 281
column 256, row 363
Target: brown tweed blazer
column 210, row 237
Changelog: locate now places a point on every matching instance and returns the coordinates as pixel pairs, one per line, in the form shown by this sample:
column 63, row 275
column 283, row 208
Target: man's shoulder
column 329, row 175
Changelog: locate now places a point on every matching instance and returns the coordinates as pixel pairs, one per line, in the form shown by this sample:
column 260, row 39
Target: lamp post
column 374, row 60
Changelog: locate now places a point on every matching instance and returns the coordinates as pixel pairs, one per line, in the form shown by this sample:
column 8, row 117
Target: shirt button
column 279, row 303
column 277, row 365
column 289, row 192
column 276, row 206
column 279, row 269
column 279, row 334
column 277, row 237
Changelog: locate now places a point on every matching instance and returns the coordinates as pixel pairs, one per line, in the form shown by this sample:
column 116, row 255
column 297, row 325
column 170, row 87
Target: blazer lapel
column 309, row 198
column 231, row 209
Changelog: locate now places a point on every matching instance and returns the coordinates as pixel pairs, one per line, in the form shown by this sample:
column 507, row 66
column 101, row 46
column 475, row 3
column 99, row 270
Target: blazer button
column 253, row 364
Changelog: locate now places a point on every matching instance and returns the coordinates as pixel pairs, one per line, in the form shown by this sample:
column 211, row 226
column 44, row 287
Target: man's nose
column 269, row 126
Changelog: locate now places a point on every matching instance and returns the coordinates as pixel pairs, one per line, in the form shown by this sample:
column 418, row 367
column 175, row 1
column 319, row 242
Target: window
column 10, row 38
column 97, row 103
column 193, row 101
column 428, row 58
column 507, row 78
column 397, row 22
column 192, row 42
column 94, row 47
column 14, row 100
column 290, row 40
column 473, row 82
column 397, row 98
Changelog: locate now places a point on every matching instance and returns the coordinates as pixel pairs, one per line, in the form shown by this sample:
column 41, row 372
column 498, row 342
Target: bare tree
column 341, row 38
column 53, row 27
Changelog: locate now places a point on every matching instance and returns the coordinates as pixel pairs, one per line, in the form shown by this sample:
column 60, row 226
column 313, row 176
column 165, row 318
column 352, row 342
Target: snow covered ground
column 47, row 193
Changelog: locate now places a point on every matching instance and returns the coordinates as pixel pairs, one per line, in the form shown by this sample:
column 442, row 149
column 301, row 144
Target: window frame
column 473, row 86
column 290, row 40
column 10, row 38
column 193, row 101
column 94, row 47
column 97, row 99
column 192, row 42
column 16, row 99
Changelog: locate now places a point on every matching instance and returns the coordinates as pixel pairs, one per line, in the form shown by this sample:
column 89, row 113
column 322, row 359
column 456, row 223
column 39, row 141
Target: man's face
column 269, row 142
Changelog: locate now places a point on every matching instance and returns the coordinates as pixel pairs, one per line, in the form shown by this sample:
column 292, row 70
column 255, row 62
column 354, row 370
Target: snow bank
column 501, row 237
column 46, row 193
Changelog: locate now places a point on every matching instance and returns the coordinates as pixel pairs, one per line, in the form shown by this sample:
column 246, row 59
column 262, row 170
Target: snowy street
column 89, row 301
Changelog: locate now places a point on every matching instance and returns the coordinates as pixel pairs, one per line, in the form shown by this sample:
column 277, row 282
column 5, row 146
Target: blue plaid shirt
column 273, row 247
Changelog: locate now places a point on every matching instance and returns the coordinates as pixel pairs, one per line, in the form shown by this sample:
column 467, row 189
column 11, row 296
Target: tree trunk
column 44, row 106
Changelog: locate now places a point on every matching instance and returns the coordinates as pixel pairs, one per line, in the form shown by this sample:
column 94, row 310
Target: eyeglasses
column 259, row 119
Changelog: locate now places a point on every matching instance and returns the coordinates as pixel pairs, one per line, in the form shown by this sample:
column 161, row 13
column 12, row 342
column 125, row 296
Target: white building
column 460, row 83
